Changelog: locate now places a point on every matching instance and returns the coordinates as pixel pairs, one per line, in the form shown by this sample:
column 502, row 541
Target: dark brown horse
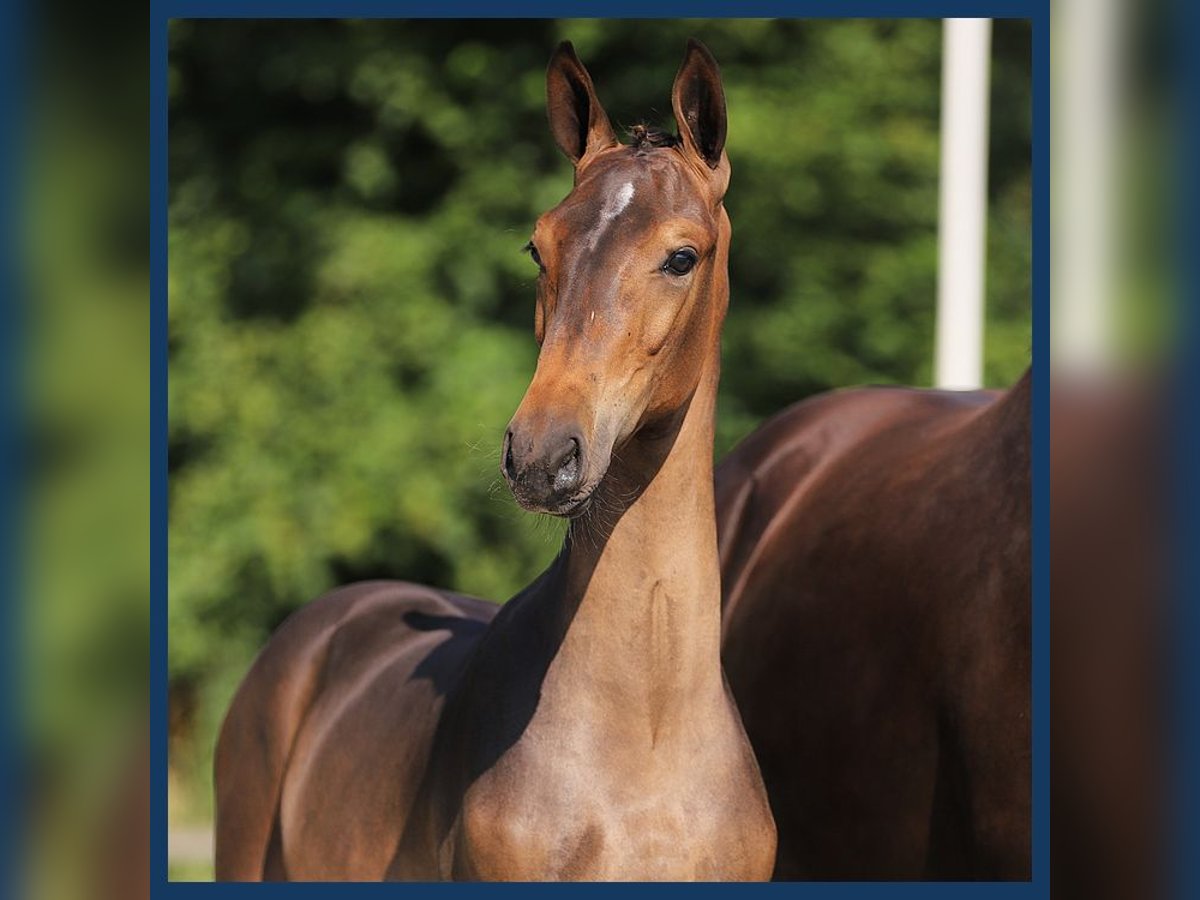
column 875, row 556
column 585, row 731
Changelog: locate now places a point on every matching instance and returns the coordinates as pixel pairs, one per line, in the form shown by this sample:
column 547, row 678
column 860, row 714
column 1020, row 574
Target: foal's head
column 632, row 283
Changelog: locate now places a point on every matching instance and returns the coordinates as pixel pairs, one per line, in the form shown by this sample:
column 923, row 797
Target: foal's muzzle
column 544, row 472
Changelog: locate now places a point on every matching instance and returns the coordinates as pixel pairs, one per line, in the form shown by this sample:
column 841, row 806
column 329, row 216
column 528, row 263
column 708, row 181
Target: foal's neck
column 641, row 581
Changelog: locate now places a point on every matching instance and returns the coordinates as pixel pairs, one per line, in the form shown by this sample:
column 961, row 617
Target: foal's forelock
column 647, row 137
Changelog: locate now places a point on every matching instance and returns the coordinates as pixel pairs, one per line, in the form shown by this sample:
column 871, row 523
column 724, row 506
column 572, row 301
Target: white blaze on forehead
column 614, row 205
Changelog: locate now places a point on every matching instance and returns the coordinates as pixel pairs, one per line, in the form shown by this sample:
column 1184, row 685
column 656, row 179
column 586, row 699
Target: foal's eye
column 680, row 262
column 535, row 256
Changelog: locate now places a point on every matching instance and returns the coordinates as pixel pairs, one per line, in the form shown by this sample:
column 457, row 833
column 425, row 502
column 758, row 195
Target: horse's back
column 869, row 557
column 852, row 469
column 840, row 442
column 340, row 706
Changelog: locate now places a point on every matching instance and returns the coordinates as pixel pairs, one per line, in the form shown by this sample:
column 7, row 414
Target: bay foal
column 875, row 553
column 585, row 731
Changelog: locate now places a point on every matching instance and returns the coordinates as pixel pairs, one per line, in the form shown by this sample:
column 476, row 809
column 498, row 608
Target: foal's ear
column 577, row 120
column 698, row 99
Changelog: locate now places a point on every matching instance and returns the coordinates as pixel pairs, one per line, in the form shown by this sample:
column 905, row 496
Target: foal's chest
column 575, row 825
column 587, row 841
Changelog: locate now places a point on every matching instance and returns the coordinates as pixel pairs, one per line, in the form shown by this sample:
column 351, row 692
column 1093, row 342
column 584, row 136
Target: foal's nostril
column 566, row 475
column 569, row 454
column 507, row 464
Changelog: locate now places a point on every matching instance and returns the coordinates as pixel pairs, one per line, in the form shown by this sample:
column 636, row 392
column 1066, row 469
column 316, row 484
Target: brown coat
column 875, row 558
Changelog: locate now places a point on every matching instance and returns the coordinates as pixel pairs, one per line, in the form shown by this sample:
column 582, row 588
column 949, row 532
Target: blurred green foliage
column 351, row 318
column 82, row 660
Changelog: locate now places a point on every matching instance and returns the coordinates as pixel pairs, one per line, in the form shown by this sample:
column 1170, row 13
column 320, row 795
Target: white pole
column 1085, row 99
column 962, row 216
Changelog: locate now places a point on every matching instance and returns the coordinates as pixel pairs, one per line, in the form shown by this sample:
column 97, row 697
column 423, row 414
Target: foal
column 584, row 731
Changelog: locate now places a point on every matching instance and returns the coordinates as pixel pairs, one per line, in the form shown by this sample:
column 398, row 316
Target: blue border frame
column 1039, row 15
column 158, row 446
